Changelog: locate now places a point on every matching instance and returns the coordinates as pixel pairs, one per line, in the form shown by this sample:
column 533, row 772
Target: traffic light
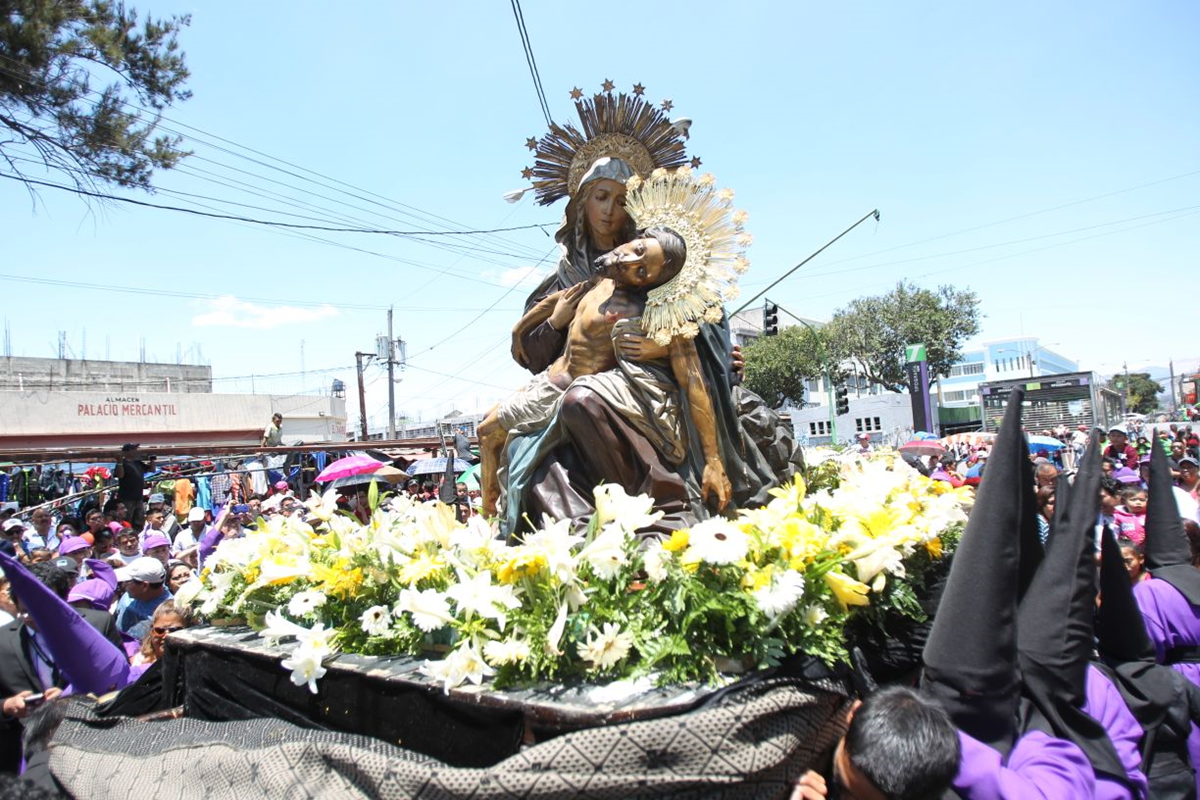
column 843, row 400
column 770, row 318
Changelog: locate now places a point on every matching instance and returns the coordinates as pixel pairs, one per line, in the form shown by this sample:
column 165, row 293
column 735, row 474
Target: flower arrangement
column 596, row 604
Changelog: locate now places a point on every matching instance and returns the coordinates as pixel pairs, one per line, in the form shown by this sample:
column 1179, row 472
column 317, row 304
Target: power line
column 531, row 61
column 390, row 205
column 251, row 220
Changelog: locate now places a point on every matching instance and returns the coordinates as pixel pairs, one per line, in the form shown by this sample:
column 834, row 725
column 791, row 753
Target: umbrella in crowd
column 349, row 466
column 428, row 466
column 918, row 447
column 1044, row 443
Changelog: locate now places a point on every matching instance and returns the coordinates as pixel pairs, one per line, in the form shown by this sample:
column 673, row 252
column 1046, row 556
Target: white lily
column 478, row 595
column 305, row 664
column 631, row 514
column 428, row 607
column 323, row 506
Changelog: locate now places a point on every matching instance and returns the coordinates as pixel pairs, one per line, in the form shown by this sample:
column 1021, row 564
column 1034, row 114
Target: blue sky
column 1042, row 154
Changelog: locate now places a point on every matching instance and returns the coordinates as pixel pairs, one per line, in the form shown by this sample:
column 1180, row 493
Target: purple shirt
column 1039, row 767
column 1105, row 705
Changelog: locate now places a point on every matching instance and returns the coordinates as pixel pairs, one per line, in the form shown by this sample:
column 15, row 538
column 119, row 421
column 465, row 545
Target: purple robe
column 1171, row 621
column 1039, row 767
column 1105, row 705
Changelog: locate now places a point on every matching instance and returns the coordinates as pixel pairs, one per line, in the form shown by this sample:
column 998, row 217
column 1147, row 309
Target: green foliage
column 1142, row 395
column 875, row 330
column 70, row 74
column 778, row 366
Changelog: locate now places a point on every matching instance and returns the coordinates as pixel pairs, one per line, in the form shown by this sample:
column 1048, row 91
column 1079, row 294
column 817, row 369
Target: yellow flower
column 339, row 579
column 525, row 562
column 756, row 579
column 848, row 591
column 251, row 575
column 934, row 547
column 793, row 492
column 678, row 541
column 420, row 568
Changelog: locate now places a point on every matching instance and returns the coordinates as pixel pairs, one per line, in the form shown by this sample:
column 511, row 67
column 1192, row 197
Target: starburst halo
column 712, row 230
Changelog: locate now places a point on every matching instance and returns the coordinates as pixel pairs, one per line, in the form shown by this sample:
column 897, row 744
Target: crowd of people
column 1023, row 690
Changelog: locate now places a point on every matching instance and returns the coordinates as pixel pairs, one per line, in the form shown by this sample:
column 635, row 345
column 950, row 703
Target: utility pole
column 362, row 393
column 391, row 365
column 1125, row 390
column 1174, row 405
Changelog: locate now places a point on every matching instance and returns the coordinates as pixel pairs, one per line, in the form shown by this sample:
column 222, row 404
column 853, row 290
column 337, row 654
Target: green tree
column 778, row 366
column 1142, row 394
column 82, row 85
column 875, row 330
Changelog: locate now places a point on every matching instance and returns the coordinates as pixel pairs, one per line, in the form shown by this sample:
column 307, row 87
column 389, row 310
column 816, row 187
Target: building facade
column 20, row 374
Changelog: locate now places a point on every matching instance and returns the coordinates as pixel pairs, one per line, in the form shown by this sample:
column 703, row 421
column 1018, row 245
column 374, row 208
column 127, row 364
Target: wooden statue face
column 605, row 208
column 639, row 263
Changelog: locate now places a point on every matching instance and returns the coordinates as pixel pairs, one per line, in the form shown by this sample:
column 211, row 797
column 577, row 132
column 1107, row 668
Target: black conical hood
column 1120, row 628
column 1155, row 694
column 1168, row 554
column 971, row 655
column 1055, row 624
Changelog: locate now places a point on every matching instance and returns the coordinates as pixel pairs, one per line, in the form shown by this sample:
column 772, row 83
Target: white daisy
column 607, row 648
column 781, row 595
column 304, row 603
column 718, row 541
column 376, row 620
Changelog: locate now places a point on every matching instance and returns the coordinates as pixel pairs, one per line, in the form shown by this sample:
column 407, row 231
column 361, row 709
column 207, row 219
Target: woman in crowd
column 178, row 573
column 168, row 618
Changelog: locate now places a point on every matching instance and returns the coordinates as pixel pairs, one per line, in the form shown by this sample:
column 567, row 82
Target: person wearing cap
column 131, row 483
column 157, row 545
column 1119, row 447
column 169, row 524
column 13, row 531
column 76, row 549
column 1189, row 476
column 862, row 443
column 145, row 582
column 189, row 538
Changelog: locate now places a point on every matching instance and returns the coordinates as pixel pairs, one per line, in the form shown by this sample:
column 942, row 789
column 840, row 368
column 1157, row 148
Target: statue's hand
column 639, row 347
column 737, row 362
column 564, row 309
column 716, row 482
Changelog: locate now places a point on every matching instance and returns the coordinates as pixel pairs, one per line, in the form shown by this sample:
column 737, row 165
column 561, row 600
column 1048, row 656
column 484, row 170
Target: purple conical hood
column 88, row 661
column 103, row 571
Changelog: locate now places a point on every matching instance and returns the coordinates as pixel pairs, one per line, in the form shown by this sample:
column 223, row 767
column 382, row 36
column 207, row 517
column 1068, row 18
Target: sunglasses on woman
column 163, row 630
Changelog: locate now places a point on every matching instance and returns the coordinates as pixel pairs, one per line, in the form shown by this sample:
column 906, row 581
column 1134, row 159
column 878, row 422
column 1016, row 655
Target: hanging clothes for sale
column 203, row 493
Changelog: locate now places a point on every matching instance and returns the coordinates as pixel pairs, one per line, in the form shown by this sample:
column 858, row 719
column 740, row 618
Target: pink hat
column 153, row 540
column 281, row 486
column 115, row 527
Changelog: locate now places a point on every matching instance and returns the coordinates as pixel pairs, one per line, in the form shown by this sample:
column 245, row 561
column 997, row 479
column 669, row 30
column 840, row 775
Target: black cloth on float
column 1162, row 700
column 1168, row 554
column 971, row 655
column 226, row 685
column 1055, row 625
